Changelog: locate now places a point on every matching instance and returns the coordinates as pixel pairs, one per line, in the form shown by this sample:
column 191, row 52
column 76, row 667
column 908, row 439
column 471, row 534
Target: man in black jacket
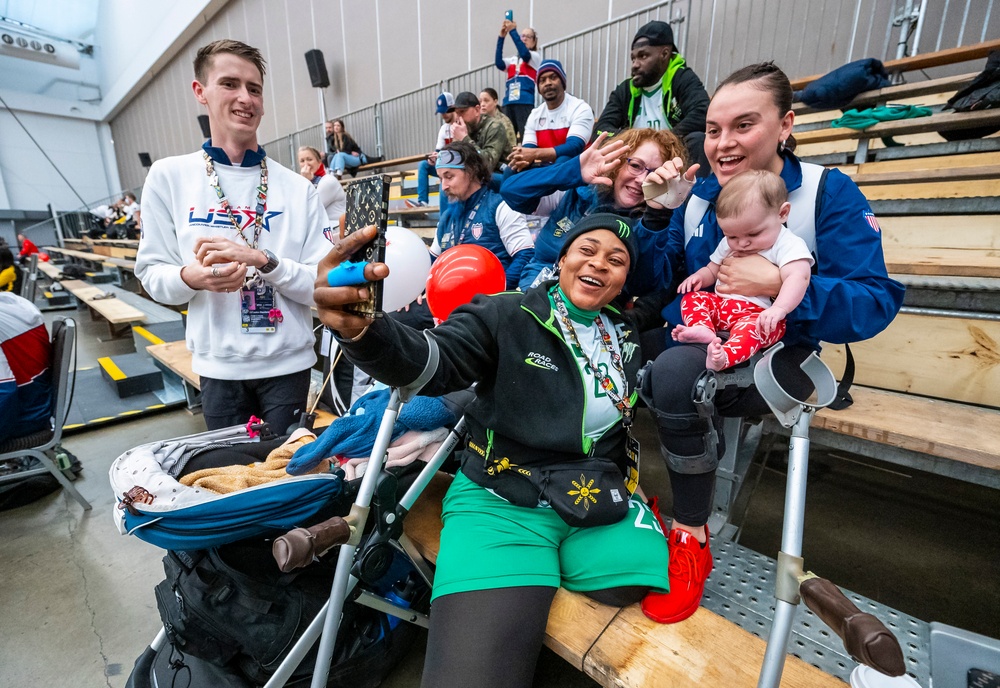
column 663, row 93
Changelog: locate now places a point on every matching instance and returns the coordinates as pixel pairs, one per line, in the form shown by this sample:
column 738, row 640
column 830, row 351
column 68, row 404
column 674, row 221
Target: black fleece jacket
column 686, row 115
column 530, row 397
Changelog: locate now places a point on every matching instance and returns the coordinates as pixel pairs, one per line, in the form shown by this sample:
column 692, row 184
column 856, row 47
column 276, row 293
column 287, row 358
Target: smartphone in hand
column 368, row 204
column 509, row 15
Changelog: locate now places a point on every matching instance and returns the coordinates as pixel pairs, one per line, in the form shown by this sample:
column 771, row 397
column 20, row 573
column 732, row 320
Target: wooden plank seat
column 394, row 162
column 914, row 63
column 619, row 646
column 895, row 93
column 933, row 435
column 118, row 314
column 49, row 270
column 927, row 395
column 942, row 121
column 943, row 245
column 89, row 257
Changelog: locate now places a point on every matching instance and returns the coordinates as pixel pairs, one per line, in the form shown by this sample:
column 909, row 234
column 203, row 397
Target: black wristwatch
column 271, row 264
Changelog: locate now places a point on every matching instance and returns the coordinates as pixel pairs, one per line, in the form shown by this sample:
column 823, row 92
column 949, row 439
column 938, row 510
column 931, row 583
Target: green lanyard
column 621, row 402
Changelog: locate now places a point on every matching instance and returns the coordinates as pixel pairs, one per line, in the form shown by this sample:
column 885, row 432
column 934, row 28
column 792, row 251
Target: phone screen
column 368, row 204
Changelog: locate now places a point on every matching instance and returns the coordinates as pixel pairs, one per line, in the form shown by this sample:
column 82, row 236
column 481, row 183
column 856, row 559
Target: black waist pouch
column 585, row 492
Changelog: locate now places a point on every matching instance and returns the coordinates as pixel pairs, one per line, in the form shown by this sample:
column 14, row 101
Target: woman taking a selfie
column 543, row 496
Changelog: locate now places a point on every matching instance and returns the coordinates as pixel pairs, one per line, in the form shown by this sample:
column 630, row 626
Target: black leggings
column 673, row 376
column 491, row 638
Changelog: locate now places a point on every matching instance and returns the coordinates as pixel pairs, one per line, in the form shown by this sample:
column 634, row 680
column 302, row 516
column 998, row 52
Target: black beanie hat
column 620, row 226
column 656, row 33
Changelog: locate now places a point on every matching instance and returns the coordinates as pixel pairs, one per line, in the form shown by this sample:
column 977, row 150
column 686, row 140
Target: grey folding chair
column 39, row 445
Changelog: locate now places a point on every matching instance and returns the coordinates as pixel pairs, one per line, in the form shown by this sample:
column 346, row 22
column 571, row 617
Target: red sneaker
column 690, row 564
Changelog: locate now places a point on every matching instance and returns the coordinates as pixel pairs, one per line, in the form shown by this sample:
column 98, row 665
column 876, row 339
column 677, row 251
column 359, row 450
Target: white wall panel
column 73, row 145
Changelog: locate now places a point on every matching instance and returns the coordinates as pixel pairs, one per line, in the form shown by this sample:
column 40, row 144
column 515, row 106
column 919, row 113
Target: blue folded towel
column 353, row 435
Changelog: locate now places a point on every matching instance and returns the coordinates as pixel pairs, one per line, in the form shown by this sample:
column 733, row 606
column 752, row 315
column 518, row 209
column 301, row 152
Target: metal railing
column 715, row 36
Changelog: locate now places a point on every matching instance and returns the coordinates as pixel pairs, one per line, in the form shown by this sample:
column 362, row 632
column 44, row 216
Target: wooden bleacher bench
column 914, row 63
column 118, row 314
column 942, row 121
column 813, row 134
column 394, row 162
column 620, row 647
column 893, row 94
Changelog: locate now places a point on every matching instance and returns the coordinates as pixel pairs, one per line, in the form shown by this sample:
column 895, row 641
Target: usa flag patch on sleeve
column 872, row 221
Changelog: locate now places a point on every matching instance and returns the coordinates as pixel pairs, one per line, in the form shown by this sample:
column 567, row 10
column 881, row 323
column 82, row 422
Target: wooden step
column 951, row 358
column 929, row 426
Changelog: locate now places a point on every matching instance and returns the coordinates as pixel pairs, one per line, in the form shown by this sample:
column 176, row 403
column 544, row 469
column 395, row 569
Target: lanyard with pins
column 620, row 401
column 259, row 209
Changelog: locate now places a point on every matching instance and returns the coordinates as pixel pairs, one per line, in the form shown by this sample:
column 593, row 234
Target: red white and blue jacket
column 25, row 378
column 520, row 70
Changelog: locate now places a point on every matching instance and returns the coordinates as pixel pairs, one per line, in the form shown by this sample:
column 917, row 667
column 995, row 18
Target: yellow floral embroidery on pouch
column 584, row 492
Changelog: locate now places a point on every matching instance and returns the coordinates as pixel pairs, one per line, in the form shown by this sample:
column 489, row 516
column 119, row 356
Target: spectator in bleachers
column 344, row 150
column 850, row 298
column 519, row 91
column 133, row 215
column 490, row 102
column 474, row 215
column 27, row 248
column 444, row 106
column 663, row 93
column 477, row 215
column 331, row 193
column 8, row 271
column 558, row 128
column 485, row 133
column 25, row 376
column 237, row 237
column 607, row 177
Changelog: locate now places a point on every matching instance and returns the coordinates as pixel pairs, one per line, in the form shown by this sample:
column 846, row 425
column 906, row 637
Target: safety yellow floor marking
column 113, row 371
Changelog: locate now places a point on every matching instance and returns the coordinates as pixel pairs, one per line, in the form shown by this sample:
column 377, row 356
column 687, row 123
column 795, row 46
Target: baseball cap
column 551, row 66
column 466, row 100
column 654, row 33
column 445, row 102
column 616, row 224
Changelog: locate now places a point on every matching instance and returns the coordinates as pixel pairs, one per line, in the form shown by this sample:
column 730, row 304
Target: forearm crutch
column 865, row 638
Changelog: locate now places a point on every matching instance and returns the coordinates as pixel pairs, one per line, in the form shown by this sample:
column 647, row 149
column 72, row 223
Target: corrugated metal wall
column 403, row 52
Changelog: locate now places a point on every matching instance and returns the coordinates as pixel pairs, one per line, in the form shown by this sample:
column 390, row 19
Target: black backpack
column 232, row 608
column 982, row 94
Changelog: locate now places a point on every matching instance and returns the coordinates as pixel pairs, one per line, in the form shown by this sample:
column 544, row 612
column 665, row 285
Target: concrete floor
column 77, row 605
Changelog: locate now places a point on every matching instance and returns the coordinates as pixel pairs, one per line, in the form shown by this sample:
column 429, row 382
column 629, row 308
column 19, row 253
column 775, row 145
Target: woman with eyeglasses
column 519, row 91
column 607, row 177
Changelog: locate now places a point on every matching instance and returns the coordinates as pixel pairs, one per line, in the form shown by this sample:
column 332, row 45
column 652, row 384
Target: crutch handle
column 298, row 547
column 865, row 638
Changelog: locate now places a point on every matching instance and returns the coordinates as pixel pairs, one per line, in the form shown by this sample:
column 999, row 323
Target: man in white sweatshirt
column 237, row 237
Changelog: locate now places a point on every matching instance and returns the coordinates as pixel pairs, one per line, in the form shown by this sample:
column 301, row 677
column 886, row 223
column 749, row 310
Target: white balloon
column 409, row 263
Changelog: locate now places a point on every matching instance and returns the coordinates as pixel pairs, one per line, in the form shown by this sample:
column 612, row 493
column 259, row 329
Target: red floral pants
column 739, row 318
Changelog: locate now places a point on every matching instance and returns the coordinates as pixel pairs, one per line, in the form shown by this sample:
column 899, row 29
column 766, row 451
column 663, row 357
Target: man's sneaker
column 414, row 204
column 690, row 564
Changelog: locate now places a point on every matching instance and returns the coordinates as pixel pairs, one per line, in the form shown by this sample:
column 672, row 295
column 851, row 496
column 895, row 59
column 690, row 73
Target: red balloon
column 460, row 273
column 44, row 257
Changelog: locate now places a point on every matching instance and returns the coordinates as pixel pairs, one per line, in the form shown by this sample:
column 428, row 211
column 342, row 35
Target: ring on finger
column 215, row 272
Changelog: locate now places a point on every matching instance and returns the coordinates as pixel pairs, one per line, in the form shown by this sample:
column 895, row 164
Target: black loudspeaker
column 145, row 159
column 206, row 131
column 318, row 75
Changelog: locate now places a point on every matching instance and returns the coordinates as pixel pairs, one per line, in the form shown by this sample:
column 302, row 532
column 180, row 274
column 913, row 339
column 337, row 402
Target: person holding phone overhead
column 519, row 91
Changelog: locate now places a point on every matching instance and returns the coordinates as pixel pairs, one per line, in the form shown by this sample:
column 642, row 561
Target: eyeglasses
column 528, row 35
column 637, row 167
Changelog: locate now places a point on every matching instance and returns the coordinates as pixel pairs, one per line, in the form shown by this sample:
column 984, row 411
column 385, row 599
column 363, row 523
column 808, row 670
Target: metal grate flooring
column 741, row 589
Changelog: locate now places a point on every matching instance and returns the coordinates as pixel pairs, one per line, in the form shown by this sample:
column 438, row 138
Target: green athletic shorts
column 488, row 543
